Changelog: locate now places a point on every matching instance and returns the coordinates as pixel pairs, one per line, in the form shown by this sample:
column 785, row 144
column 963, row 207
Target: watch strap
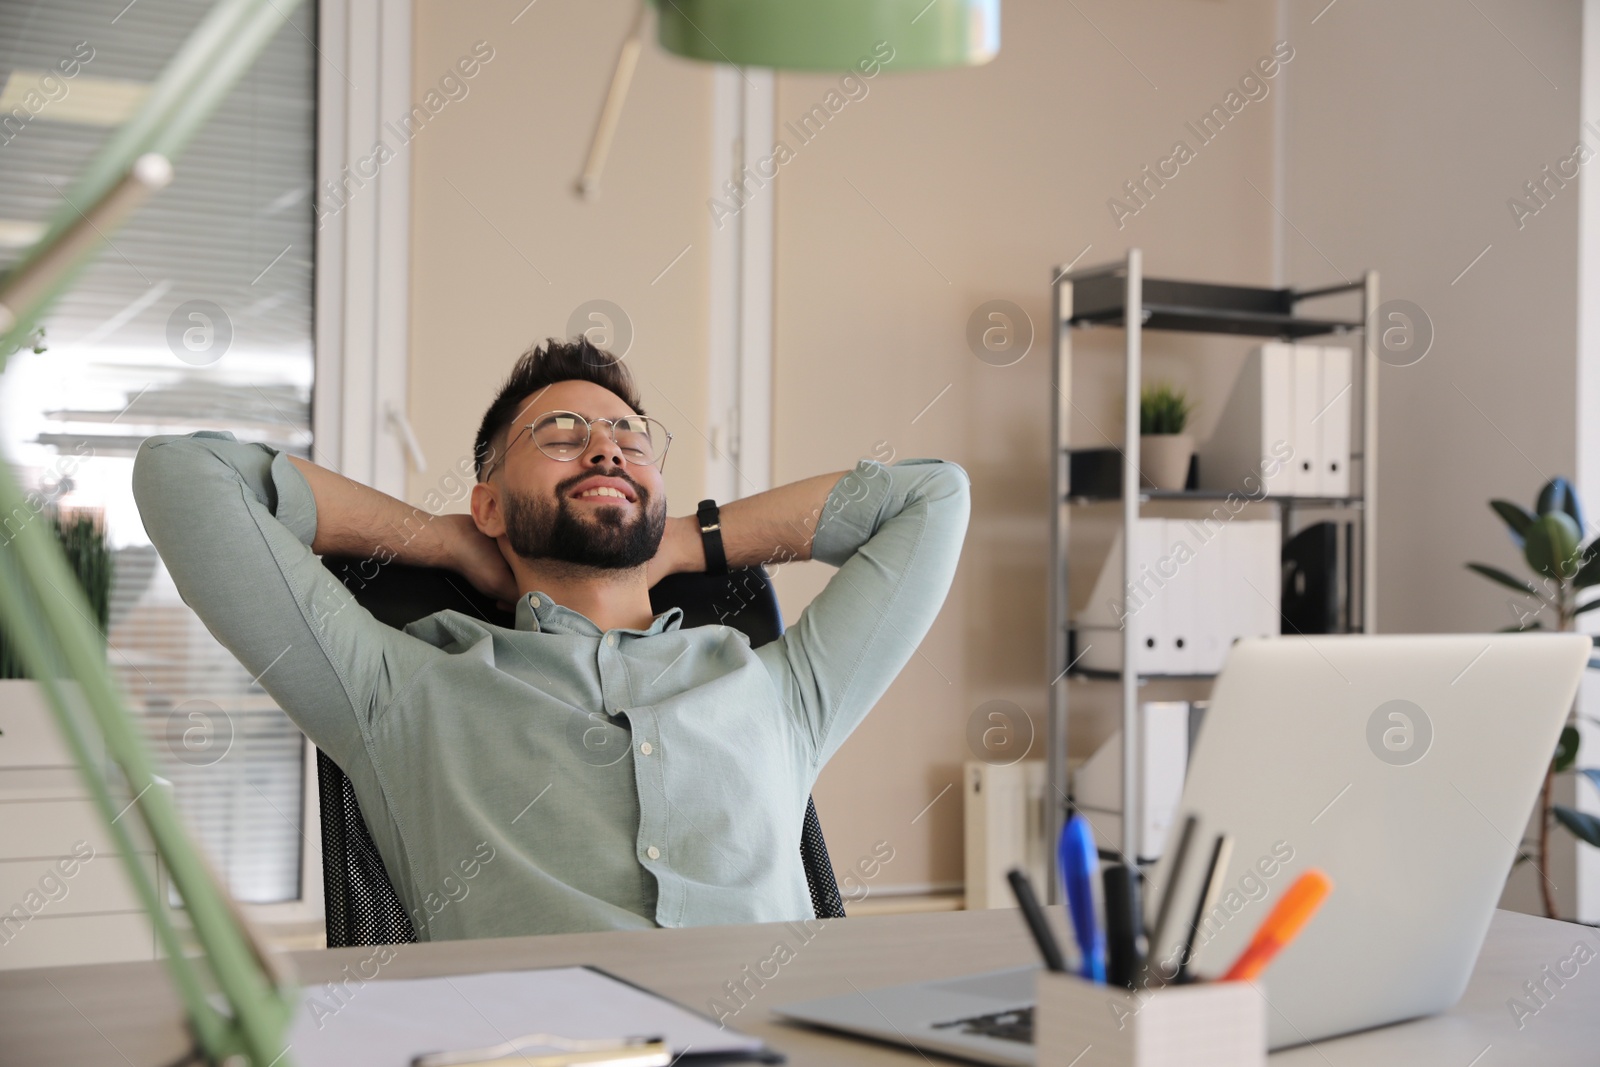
column 710, row 521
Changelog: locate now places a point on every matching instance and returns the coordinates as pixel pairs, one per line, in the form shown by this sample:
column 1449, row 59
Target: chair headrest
column 397, row 594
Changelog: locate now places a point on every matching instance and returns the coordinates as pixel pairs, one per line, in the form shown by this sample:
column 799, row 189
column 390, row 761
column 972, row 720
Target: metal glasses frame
column 659, row 462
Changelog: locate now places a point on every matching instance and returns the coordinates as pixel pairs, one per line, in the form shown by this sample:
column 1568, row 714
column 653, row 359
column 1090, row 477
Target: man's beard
column 613, row 537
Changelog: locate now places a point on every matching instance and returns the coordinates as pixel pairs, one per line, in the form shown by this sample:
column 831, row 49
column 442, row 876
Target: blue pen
column 1079, row 861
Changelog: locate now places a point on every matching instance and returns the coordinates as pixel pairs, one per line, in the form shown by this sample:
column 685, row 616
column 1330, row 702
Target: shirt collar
column 538, row 613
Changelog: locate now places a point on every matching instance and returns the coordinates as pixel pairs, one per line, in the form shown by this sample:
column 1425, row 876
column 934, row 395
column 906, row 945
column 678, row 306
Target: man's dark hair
column 541, row 366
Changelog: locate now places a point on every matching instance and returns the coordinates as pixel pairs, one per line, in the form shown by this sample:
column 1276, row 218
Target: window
column 198, row 315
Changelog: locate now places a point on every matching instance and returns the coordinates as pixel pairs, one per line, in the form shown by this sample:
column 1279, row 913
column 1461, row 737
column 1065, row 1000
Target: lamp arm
column 588, row 185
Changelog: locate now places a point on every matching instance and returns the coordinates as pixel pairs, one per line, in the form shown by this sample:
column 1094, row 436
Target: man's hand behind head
column 477, row 558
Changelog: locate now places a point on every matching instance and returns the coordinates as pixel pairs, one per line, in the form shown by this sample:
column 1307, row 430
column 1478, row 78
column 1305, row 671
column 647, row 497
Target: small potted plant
column 1164, row 448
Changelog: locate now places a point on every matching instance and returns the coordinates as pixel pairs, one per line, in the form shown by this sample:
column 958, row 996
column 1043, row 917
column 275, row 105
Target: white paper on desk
column 387, row 1022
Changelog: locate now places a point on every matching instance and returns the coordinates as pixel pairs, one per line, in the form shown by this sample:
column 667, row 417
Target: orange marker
column 1299, row 903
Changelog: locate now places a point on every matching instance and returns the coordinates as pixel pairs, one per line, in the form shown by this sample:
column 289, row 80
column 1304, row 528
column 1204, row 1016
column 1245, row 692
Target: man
column 597, row 766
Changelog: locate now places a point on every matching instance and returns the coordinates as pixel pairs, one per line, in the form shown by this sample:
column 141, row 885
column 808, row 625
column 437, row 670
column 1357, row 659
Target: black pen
column 1126, row 961
column 1209, row 890
column 1022, row 889
column 1169, row 893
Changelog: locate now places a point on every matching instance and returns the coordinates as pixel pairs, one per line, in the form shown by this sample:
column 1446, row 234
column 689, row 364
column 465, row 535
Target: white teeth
column 604, row 490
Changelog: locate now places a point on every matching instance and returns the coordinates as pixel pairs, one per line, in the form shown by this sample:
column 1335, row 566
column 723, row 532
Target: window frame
column 360, row 319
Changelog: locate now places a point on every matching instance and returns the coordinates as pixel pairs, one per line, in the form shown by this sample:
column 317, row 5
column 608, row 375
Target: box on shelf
column 1096, row 473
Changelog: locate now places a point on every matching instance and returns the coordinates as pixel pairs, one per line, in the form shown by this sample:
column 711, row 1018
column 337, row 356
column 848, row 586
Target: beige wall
column 1410, row 127
column 994, row 175
column 933, row 194
column 503, row 251
column 938, row 191
column 1408, row 132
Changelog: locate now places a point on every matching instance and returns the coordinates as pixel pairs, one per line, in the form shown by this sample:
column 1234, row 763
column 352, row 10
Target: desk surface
column 127, row 1014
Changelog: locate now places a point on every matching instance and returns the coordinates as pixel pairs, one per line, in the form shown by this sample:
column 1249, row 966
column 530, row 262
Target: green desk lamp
column 815, row 35
column 830, row 34
column 238, row 1003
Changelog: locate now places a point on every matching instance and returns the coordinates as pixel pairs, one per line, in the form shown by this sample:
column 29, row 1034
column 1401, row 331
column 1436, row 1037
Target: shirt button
column 611, row 639
column 646, row 749
column 534, row 601
column 653, row 852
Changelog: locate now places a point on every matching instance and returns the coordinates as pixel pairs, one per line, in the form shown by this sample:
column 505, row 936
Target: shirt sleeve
column 895, row 533
column 234, row 522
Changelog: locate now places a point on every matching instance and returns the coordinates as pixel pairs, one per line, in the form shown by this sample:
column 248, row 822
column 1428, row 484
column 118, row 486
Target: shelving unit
column 1119, row 295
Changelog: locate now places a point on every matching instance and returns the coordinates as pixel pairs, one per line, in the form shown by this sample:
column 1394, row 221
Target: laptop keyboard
column 1013, row 1025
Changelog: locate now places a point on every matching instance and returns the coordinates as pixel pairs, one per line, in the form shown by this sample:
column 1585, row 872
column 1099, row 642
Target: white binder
column 1262, row 544
column 1211, row 594
column 1229, row 588
column 1255, row 427
column 1333, row 421
column 1233, row 611
column 1306, row 479
column 1250, row 595
column 1099, row 627
column 1182, row 595
column 1162, row 759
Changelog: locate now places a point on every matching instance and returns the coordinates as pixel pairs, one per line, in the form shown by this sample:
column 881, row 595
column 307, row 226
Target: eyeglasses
column 564, row 435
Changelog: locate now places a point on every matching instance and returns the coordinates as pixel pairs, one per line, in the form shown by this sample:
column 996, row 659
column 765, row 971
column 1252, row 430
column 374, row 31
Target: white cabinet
column 64, row 897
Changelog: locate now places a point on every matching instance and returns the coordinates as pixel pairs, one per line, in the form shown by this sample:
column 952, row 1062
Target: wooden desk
column 126, row 1013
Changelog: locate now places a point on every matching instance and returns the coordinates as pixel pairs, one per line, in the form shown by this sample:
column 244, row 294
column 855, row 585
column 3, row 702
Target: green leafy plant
column 84, row 543
column 1551, row 540
column 1163, row 409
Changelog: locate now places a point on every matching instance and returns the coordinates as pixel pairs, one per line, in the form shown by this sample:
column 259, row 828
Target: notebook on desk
column 389, row 1022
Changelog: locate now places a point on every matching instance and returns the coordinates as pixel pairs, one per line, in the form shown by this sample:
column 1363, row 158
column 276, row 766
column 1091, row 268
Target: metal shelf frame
column 1249, row 315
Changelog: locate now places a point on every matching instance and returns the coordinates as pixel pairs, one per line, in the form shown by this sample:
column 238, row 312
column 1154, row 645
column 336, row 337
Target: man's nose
column 603, row 447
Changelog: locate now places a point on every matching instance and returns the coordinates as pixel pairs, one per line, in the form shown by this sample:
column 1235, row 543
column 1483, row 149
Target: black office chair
column 362, row 907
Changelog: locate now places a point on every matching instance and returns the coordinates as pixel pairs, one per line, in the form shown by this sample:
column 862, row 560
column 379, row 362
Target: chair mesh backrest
column 362, row 906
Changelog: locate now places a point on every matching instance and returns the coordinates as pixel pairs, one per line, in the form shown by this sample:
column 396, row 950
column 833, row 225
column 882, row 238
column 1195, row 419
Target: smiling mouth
column 610, row 496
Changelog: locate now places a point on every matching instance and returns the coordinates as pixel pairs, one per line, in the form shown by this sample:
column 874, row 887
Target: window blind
column 196, row 316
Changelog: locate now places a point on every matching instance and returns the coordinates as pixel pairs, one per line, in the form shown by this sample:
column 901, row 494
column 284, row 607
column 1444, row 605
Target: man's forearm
column 357, row 520
column 776, row 526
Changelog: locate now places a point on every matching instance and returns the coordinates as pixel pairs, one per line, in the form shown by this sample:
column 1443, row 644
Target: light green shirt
column 554, row 777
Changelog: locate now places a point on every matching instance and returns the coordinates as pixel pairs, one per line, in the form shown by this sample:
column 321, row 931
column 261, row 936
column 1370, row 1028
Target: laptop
column 1406, row 767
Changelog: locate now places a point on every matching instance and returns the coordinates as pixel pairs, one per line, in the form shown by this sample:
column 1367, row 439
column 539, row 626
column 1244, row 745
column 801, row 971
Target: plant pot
column 1164, row 459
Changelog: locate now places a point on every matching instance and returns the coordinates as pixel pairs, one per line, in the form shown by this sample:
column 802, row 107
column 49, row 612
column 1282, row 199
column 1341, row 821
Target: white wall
column 1587, row 396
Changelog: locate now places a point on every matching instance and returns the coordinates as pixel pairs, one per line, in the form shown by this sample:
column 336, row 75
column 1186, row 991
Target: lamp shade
column 831, row 34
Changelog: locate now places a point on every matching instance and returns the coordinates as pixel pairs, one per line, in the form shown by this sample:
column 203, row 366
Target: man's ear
column 486, row 513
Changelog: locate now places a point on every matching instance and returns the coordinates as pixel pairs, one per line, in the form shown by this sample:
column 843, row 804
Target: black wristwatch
column 711, row 535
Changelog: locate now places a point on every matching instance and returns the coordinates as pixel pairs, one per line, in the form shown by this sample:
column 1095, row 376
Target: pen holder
column 1086, row 1024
